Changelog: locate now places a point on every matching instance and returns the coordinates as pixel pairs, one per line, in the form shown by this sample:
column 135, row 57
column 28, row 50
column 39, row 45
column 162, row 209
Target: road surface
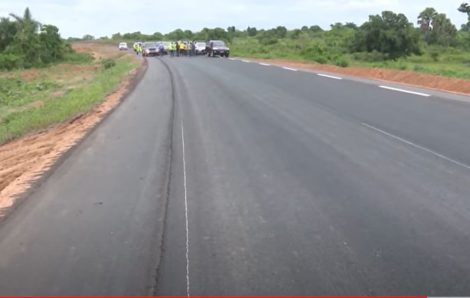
column 220, row 176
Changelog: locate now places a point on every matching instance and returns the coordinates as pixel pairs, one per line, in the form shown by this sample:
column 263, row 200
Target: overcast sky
column 100, row 17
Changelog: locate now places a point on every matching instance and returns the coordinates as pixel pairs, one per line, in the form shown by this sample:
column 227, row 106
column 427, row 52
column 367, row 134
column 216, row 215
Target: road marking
column 233, row 59
column 264, row 64
column 405, row 91
column 185, row 210
column 328, row 76
column 246, row 61
column 288, row 68
column 416, row 146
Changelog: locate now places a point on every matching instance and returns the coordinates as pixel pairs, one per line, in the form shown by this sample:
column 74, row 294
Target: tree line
column 25, row 43
column 388, row 35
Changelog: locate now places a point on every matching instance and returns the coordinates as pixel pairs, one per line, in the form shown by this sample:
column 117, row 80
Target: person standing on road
column 135, row 48
column 193, row 48
column 172, row 49
column 177, row 49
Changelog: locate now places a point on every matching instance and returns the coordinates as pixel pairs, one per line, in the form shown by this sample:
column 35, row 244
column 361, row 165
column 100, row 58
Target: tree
column 157, row 36
column 7, row 33
column 465, row 8
column 443, row 31
column 51, row 44
column 350, row 25
column 88, row 37
column 315, row 28
column 336, row 26
column 188, row 34
column 252, row 31
column 26, row 41
column 177, row 34
column 116, row 36
column 388, row 33
column 436, row 27
column 280, row 31
column 425, row 19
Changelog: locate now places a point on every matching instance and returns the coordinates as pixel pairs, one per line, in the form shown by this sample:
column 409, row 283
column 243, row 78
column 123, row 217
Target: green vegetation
column 21, row 111
column 25, row 43
column 33, row 96
column 388, row 40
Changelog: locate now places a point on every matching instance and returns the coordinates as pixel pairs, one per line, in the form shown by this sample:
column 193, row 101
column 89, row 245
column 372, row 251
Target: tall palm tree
column 26, row 39
column 26, row 24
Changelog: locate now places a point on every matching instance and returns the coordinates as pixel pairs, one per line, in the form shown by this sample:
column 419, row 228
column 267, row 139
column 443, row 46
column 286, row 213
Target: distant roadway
column 231, row 177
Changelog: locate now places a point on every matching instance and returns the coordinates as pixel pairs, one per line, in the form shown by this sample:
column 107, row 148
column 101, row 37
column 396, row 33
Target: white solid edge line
column 405, row 91
column 417, row 146
column 246, row 61
column 233, row 59
column 264, row 64
column 185, row 209
column 288, row 68
column 328, row 76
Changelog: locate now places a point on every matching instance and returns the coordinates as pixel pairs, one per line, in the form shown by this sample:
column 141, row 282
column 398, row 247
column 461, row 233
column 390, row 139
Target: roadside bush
column 108, row 63
column 78, row 58
column 316, row 52
column 10, row 61
column 373, row 56
column 434, row 53
column 25, row 43
column 341, row 62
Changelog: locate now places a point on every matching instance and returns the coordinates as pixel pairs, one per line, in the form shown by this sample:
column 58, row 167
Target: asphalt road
column 220, row 177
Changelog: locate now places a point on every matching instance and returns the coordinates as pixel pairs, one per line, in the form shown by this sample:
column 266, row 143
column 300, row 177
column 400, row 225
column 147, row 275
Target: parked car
column 123, row 46
column 150, row 49
column 217, row 48
column 200, row 47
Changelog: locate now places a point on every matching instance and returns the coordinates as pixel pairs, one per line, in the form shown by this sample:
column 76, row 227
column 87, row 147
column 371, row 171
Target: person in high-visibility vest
column 135, row 47
column 183, row 48
column 172, row 48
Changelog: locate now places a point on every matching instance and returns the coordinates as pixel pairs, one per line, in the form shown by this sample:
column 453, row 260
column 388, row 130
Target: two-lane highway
column 220, row 177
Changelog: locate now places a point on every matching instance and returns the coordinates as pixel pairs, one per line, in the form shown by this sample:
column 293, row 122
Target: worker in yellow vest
column 182, row 48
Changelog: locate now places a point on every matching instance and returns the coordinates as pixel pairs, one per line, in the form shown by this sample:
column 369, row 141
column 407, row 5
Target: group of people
column 138, row 48
column 174, row 49
column 181, row 48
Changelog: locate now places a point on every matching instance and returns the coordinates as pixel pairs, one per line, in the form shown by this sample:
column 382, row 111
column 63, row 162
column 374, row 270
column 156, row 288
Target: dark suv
column 217, row 48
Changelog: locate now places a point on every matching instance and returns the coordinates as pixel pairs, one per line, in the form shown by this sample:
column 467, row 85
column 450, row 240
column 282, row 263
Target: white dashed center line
column 328, row 76
column 405, row 91
column 288, row 68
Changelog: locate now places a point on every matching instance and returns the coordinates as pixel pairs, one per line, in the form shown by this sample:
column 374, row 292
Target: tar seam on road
column 405, row 91
column 328, row 76
column 417, row 146
column 169, row 161
column 185, row 208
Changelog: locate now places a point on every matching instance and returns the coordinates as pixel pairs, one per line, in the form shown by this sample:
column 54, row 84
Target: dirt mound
column 401, row 76
column 98, row 50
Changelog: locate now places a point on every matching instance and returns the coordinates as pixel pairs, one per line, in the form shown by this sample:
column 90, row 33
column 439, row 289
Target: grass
column 448, row 62
column 55, row 94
